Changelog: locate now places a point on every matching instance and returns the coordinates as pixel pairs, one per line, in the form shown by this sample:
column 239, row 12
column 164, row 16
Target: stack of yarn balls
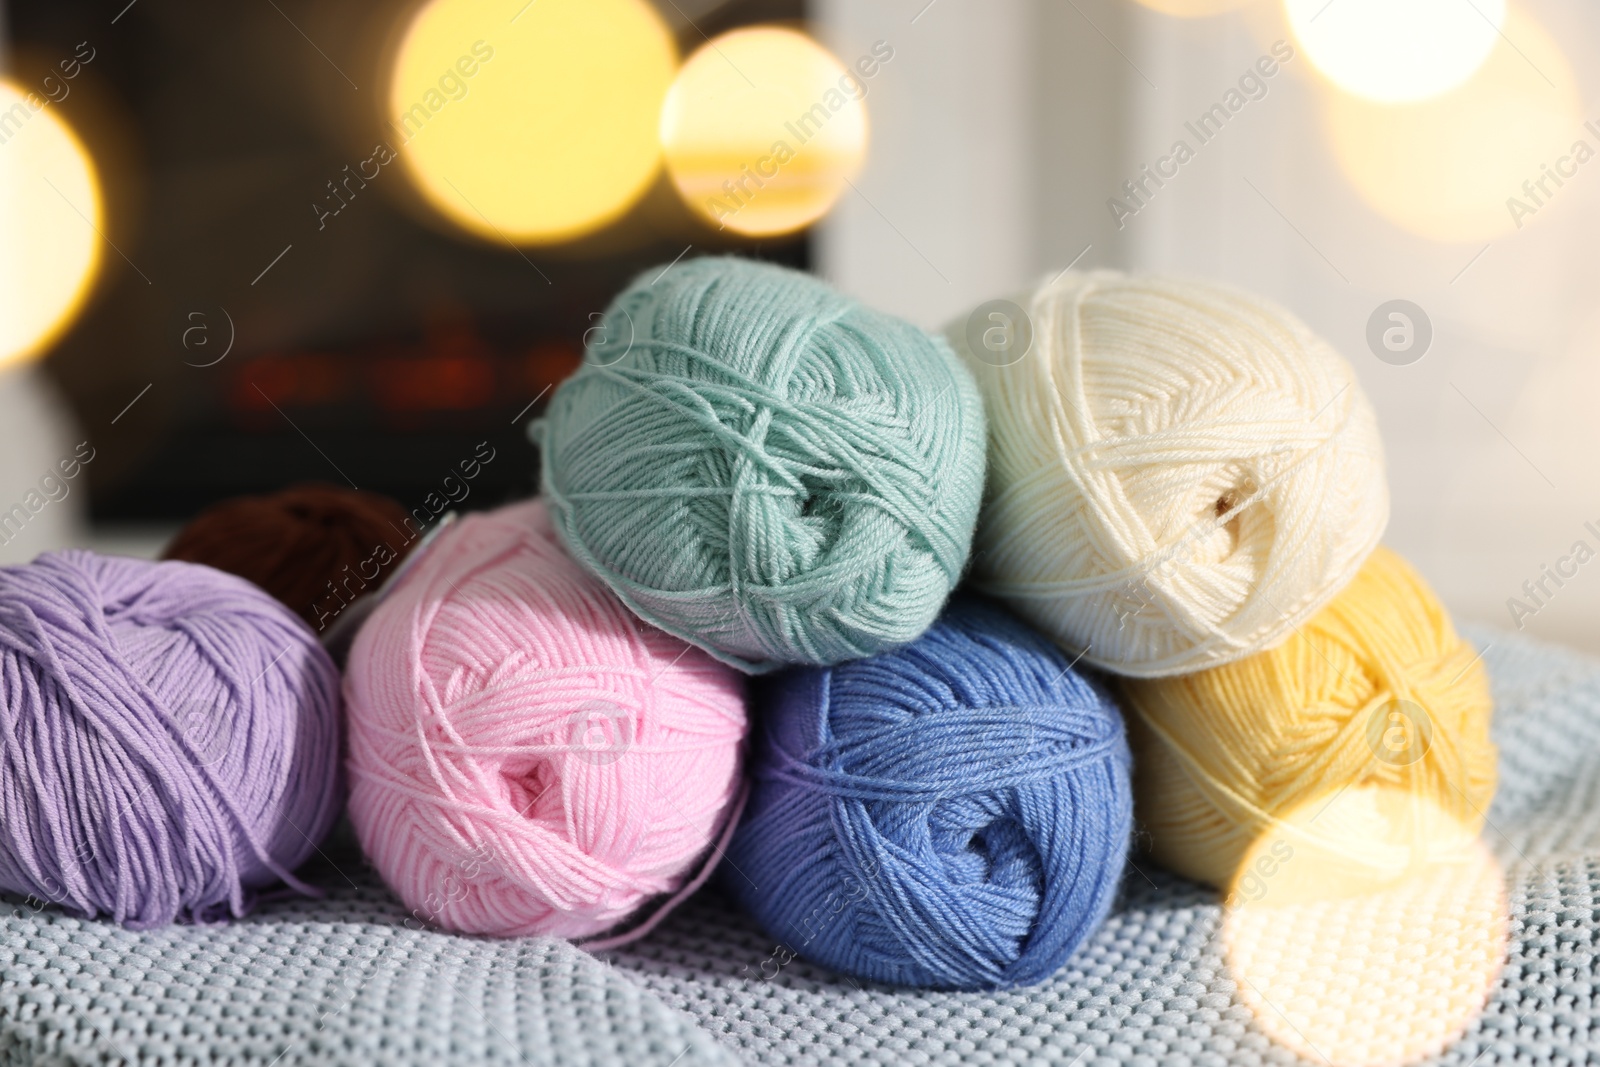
column 1186, row 488
column 894, row 633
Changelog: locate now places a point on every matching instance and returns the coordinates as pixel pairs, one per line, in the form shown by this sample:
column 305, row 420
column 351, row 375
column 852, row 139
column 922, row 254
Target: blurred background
column 270, row 242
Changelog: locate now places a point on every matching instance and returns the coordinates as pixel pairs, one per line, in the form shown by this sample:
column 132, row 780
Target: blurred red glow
column 451, row 373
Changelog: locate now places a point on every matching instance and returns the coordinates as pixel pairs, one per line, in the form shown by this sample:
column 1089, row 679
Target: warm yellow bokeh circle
column 50, row 246
column 533, row 122
column 1446, row 168
column 763, row 129
column 1394, row 51
column 1367, row 928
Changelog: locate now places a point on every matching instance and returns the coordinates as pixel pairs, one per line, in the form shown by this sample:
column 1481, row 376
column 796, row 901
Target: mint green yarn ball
column 764, row 467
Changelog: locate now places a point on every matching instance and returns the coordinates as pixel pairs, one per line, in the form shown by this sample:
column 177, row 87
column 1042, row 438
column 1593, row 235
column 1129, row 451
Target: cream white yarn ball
column 1179, row 472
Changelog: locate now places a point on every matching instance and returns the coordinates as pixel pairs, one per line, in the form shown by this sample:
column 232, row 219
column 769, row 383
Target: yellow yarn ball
column 1179, row 473
column 1375, row 694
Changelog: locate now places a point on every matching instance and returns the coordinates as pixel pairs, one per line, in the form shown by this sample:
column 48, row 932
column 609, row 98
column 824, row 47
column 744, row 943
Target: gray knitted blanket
column 345, row 980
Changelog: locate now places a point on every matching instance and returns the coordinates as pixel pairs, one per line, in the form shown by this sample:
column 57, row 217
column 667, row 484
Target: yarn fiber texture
column 525, row 756
column 170, row 738
column 301, row 543
column 765, row 468
column 1377, row 690
column 951, row 814
column 1180, row 473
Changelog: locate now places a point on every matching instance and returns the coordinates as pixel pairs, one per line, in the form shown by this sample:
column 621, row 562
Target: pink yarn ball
column 526, row 757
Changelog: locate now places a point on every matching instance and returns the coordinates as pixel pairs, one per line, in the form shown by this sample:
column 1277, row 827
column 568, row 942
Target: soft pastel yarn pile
column 765, row 468
column 1375, row 690
column 954, row 813
column 751, row 472
column 300, row 544
column 1180, row 473
column 169, row 734
column 525, row 757
column 1187, row 488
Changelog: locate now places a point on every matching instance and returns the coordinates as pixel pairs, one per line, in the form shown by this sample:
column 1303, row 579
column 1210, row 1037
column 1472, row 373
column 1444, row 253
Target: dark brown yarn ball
column 314, row 546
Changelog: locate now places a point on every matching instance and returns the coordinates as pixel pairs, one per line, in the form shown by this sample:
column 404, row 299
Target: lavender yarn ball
column 169, row 738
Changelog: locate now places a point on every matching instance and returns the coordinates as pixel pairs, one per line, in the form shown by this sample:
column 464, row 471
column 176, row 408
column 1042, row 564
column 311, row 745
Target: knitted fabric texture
column 1180, row 473
column 765, row 468
column 953, row 814
column 344, row 980
column 525, row 756
column 350, row 979
column 169, row 738
column 1375, row 690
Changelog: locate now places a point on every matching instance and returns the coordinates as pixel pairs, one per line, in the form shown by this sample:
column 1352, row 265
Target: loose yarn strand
column 714, row 856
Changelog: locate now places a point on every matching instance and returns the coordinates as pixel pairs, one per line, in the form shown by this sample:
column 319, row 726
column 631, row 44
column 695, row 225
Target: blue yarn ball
column 954, row 814
column 764, row 467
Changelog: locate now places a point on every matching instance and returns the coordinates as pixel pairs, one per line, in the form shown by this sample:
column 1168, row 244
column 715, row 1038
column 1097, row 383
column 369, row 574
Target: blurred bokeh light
column 1367, row 928
column 1393, row 51
column 764, row 128
column 52, row 219
column 532, row 122
column 1444, row 168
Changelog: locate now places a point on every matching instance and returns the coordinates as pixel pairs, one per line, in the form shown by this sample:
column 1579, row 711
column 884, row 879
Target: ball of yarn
column 309, row 545
column 525, row 756
column 764, row 467
column 951, row 814
column 170, row 736
column 1376, row 690
column 1180, row 473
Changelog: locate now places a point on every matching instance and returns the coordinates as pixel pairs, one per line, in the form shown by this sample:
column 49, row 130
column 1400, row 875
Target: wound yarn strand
column 952, row 814
column 766, row 469
column 170, row 738
column 1180, row 472
column 306, row 545
column 1225, row 755
column 526, row 757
